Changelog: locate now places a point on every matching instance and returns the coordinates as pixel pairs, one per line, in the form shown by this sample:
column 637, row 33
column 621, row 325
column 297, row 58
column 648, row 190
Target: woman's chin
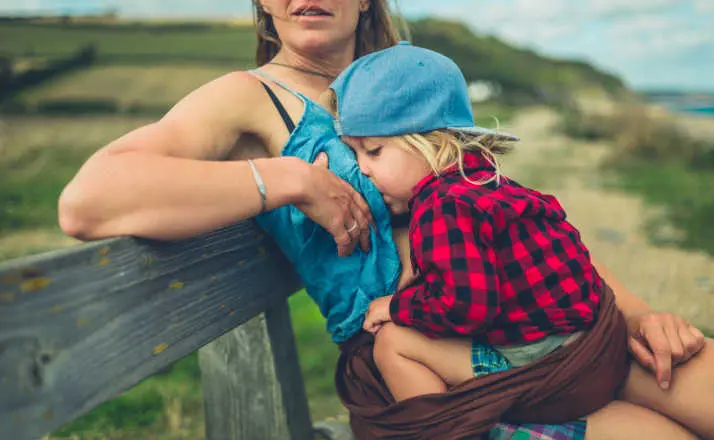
column 319, row 41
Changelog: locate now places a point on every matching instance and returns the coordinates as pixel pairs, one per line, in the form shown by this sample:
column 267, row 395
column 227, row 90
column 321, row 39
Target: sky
column 650, row 44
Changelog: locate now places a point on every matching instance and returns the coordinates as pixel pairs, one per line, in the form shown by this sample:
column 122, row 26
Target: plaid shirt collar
column 473, row 162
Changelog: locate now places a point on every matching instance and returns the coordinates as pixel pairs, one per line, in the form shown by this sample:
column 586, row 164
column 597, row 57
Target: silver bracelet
column 261, row 186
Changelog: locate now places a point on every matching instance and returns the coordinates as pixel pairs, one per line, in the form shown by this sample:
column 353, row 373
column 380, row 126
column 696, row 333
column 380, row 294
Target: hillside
column 523, row 75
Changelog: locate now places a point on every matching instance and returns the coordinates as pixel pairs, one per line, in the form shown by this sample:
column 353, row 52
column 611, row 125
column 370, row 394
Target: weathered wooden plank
column 79, row 326
column 252, row 385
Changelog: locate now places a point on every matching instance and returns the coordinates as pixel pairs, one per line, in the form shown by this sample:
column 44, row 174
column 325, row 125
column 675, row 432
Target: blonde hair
column 443, row 149
column 375, row 31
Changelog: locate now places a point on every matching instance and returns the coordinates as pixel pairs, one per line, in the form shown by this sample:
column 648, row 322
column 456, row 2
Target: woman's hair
column 445, row 148
column 375, row 31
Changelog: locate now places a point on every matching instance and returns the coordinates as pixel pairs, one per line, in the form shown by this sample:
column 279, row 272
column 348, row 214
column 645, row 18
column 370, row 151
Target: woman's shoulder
column 229, row 89
column 229, row 105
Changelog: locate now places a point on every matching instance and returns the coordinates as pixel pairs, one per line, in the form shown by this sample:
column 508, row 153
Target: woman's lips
column 311, row 11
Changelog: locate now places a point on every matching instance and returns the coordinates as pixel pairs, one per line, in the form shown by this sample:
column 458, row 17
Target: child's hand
column 377, row 315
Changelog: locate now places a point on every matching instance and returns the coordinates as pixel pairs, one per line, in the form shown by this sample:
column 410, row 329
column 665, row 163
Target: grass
column 38, row 156
column 131, row 43
column 166, row 406
column 489, row 114
column 686, row 193
column 660, row 161
column 128, row 86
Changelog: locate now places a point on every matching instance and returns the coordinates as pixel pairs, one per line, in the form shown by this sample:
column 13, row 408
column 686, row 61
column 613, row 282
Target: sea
column 701, row 104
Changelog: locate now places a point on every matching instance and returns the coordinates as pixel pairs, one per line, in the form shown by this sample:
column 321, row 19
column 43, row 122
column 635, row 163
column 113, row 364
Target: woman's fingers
column 654, row 334
column 321, row 160
column 361, row 213
column 663, row 340
column 343, row 209
column 359, row 230
column 361, row 203
column 692, row 340
column 670, row 325
column 642, row 354
column 343, row 239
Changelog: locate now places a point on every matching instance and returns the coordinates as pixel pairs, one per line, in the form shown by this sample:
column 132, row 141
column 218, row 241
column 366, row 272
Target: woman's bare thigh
column 624, row 421
column 690, row 399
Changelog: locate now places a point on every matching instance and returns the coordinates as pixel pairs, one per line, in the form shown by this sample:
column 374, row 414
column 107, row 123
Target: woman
column 208, row 136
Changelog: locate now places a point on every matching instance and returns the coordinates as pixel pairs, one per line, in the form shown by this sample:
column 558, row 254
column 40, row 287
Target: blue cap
column 404, row 89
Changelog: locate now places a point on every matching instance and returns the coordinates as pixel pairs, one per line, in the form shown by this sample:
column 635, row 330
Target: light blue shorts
column 487, row 359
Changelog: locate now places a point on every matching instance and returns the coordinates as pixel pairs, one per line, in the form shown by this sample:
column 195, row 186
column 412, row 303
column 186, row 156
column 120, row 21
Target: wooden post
column 252, row 385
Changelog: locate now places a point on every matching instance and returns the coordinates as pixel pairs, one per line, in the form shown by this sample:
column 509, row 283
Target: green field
column 127, row 86
column 667, row 164
column 38, row 156
column 232, row 45
column 686, row 193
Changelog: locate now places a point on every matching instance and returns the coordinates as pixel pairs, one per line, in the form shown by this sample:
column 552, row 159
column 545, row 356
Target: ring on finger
column 353, row 227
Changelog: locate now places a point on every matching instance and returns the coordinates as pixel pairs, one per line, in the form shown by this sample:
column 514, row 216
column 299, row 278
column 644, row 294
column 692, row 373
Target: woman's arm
column 164, row 180
column 629, row 304
column 171, row 179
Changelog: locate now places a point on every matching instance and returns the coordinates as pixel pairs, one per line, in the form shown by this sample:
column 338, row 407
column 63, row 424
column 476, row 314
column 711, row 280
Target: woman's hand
column 333, row 204
column 660, row 340
column 377, row 314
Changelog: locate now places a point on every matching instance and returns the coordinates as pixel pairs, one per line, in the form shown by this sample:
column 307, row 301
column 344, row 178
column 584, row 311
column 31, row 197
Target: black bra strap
column 278, row 105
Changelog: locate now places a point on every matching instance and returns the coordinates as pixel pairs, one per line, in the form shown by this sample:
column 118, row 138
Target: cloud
column 543, row 33
column 619, row 36
column 615, row 8
column 36, row 6
column 706, row 6
column 660, row 37
column 132, row 7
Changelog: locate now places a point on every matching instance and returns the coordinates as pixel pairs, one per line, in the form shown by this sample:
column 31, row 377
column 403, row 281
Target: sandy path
column 611, row 222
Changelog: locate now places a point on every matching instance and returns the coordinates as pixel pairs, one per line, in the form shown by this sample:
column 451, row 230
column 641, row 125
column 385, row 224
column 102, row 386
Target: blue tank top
column 341, row 287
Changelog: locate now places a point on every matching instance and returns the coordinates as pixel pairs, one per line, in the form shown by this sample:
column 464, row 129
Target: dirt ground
column 611, row 222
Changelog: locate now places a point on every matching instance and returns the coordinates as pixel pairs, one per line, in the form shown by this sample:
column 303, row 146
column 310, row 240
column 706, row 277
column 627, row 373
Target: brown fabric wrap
column 565, row 385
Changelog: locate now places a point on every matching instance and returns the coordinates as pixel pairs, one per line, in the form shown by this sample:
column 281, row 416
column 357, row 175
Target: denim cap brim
column 480, row 131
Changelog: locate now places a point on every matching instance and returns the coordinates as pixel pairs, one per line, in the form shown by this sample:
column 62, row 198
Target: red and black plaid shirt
column 497, row 263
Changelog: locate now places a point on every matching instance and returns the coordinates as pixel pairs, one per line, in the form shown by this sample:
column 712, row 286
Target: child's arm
column 401, row 238
column 457, row 292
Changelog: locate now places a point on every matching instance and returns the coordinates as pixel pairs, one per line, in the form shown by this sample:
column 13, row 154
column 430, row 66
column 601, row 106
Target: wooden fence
column 80, row 325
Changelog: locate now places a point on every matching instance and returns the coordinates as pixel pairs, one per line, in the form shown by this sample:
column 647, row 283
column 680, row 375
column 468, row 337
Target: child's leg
column 625, row 421
column 413, row 365
column 690, row 399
